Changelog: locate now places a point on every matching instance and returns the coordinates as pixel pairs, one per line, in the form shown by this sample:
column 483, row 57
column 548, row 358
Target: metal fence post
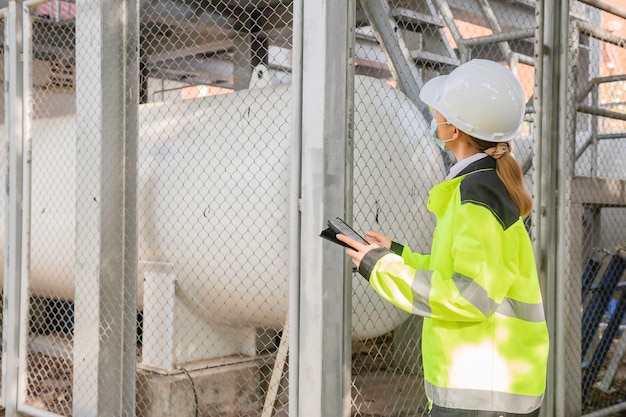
column 106, row 244
column 325, row 308
column 14, row 294
column 550, row 181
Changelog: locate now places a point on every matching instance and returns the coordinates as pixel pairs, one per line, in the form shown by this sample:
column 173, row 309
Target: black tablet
column 337, row 226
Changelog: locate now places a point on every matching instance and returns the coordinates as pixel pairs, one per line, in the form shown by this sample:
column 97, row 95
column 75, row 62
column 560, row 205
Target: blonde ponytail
column 512, row 176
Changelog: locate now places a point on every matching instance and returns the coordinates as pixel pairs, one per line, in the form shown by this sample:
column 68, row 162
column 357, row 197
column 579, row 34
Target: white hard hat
column 480, row 97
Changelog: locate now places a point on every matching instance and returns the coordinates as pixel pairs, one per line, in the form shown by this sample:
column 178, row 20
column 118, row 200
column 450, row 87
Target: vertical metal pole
column 551, row 139
column 26, row 199
column 348, row 203
column 131, row 99
column 105, row 308
column 13, row 297
column 569, row 252
column 6, row 45
column 595, row 130
column 294, row 210
column 324, row 366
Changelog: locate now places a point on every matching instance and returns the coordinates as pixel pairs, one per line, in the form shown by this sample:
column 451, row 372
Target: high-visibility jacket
column 484, row 338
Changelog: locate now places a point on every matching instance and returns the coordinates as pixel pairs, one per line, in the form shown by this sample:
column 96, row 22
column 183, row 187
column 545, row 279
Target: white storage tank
column 214, row 204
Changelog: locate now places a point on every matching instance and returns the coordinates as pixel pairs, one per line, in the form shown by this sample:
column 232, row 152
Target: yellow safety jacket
column 484, row 339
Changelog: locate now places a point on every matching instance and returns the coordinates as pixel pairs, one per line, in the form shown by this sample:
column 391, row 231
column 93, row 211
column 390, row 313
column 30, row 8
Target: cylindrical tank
column 214, row 198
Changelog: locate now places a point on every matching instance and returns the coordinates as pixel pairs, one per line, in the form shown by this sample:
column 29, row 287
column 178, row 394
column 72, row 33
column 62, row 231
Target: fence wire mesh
column 213, row 187
column 51, row 273
column 599, row 146
column 212, row 208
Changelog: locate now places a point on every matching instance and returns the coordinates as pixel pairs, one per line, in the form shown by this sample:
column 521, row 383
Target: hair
column 511, row 175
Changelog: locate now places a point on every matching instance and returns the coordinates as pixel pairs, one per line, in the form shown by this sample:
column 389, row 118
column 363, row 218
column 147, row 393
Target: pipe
column 609, row 411
column 35, row 412
column 596, row 111
column 599, row 4
column 614, row 135
column 277, row 373
column 600, row 34
column 499, row 37
column 599, row 80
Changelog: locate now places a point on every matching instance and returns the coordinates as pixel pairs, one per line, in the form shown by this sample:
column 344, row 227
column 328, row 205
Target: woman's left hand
column 357, row 250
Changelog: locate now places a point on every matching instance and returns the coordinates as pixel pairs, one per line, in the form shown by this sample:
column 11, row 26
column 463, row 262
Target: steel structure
column 112, row 57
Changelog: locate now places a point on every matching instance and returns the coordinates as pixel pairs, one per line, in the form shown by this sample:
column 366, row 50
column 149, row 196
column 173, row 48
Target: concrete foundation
column 208, row 389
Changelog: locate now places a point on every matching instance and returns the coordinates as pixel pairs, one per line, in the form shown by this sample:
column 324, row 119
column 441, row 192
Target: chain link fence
column 53, row 221
column 599, row 147
column 214, row 131
column 213, row 207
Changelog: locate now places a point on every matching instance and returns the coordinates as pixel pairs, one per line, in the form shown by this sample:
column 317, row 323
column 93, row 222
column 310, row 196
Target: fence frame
column 320, row 305
column 324, row 301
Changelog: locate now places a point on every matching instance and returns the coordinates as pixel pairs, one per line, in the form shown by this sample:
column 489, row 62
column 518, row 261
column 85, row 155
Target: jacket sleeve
column 413, row 259
column 470, row 289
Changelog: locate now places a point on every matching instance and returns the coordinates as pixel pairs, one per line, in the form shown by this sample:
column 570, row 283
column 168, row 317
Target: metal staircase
column 422, row 39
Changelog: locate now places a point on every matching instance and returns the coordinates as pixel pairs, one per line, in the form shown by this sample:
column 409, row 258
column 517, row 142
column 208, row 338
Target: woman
column 484, row 339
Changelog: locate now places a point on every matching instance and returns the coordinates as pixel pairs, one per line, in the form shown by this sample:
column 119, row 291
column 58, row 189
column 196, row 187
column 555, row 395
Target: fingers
column 378, row 238
column 356, row 256
column 349, row 241
column 355, row 251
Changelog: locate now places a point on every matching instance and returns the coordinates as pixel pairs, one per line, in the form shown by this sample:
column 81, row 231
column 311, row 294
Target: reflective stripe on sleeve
column 421, row 292
column 478, row 297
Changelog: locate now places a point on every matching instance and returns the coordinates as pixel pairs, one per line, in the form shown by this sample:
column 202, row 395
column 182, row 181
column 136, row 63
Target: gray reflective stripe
column 472, row 399
column 479, row 298
column 524, row 311
column 474, row 293
column 421, row 292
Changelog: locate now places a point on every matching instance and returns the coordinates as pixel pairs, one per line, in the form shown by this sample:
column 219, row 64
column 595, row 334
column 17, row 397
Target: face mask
column 433, row 134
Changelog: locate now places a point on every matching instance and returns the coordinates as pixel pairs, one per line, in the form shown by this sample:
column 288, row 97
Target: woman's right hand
column 378, row 239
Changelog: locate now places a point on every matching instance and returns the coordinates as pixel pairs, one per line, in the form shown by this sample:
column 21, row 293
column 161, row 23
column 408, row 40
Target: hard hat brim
column 431, row 91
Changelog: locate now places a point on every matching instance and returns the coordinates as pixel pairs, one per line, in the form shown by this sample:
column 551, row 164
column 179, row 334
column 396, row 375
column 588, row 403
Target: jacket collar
column 440, row 194
column 481, row 164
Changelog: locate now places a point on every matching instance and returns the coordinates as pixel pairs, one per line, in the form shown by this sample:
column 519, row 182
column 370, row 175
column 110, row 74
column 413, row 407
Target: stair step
column 416, row 21
column 425, row 58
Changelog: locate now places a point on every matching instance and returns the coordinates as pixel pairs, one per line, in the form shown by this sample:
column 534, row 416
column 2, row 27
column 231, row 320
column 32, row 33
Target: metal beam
column 497, row 29
column 398, row 56
column 598, row 80
column 448, row 17
column 599, row 191
column 603, row 35
column 596, row 111
column 617, row 11
column 500, row 37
